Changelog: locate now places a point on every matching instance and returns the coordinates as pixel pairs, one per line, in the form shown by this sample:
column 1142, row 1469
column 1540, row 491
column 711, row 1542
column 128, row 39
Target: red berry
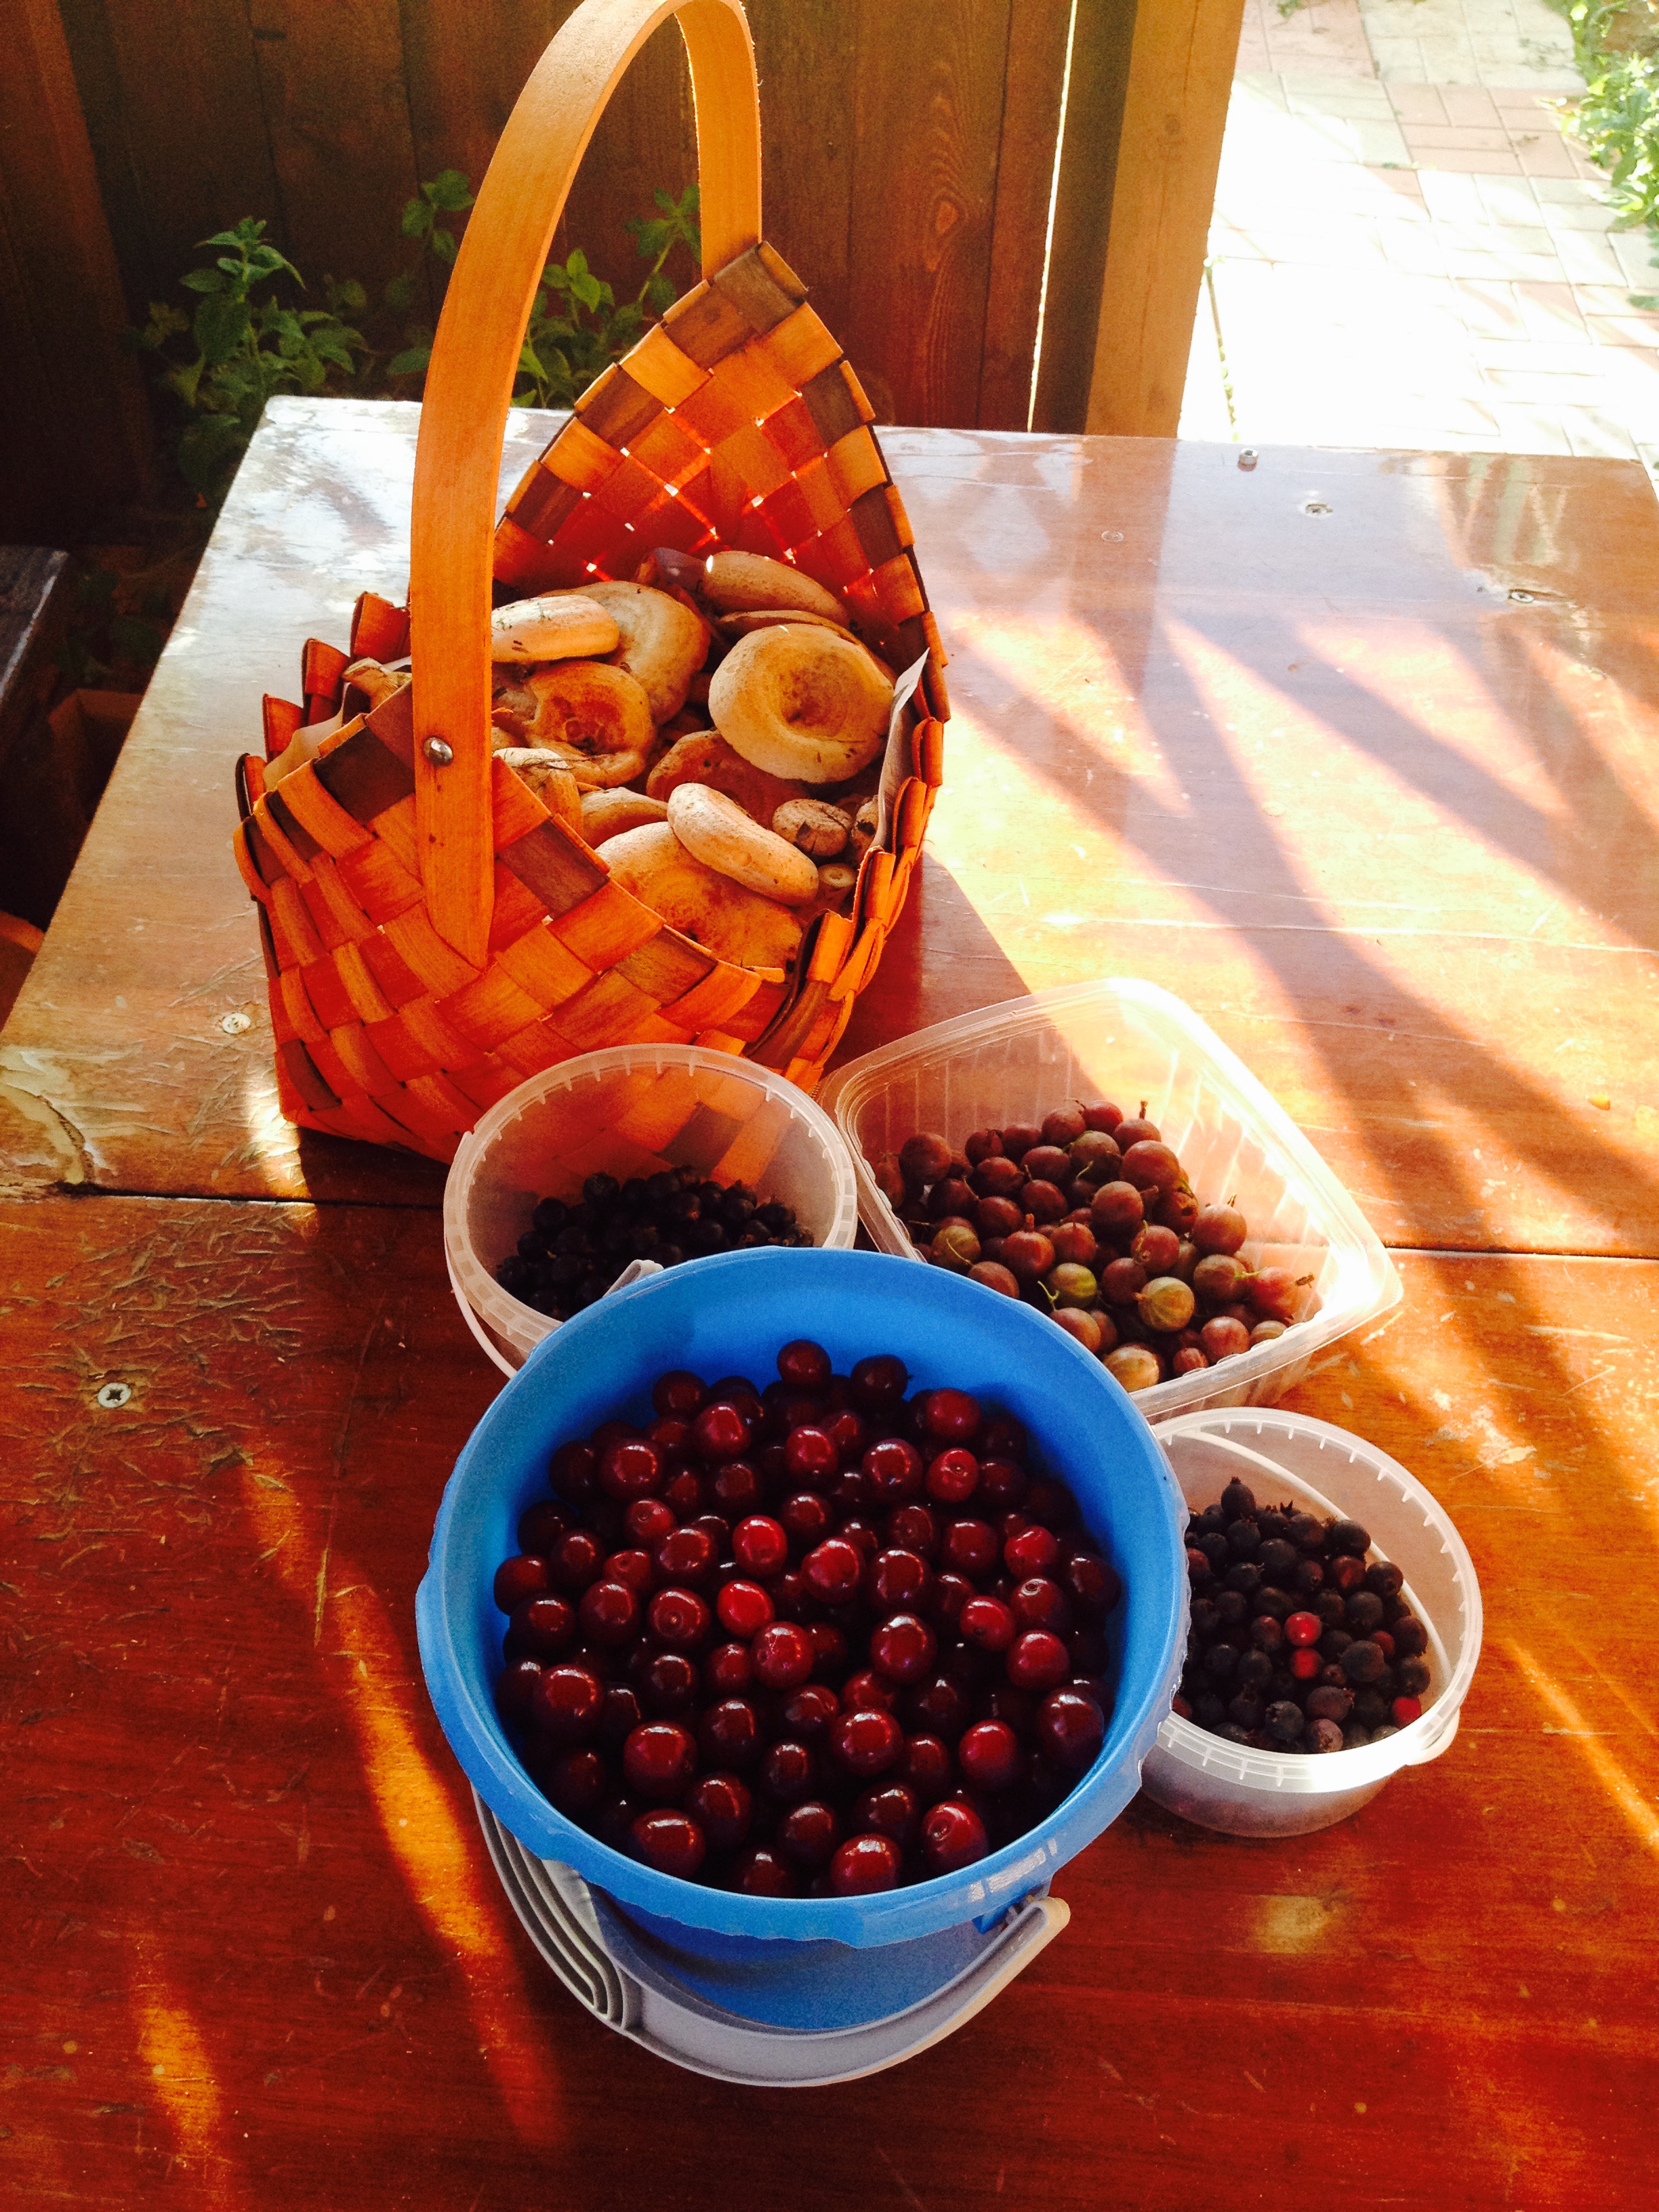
column 939, row 1708
column 722, row 1808
column 520, row 1579
column 805, row 1517
column 807, row 1713
column 952, row 1837
column 986, row 1623
column 833, row 1570
column 880, row 1383
column 541, row 1526
column 678, row 1618
column 952, row 1476
column 631, row 1468
column 890, row 1808
column 564, row 1703
column 829, row 1649
column 807, row 1835
column 609, row 1612
column 811, row 1455
column 783, row 1655
column 969, row 1548
column 541, row 1628
column 902, row 1648
column 898, row 1581
column 670, row 1843
column 893, row 1471
column 721, row 1431
column 577, row 1560
column 949, row 1595
column 634, row 1568
column 515, row 1688
column 788, row 1771
column 759, row 1545
column 1404, row 1711
column 1304, row 1628
column 577, row 1782
column 620, row 1713
column 1033, row 1552
column 659, row 1759
column 804, row 1365
column 667, row 1681
column 763, row 1873
column 729, row 1733
column 686, row 1555
column 864, row 1864
column 866, row 1742
column 869, row 1691
column 1037, row 1661
column 743, row 1609
column 911, row 1528
column 678, row 1395
column 1306, row 1664
column 1040, row 1603
column 1071, row 1729
column 990, row 1756
column 1002, row 1485
column 736, row 1488
column 729, row 1670
column 574, row 1472
column 926, row 1767
column 952, row 1416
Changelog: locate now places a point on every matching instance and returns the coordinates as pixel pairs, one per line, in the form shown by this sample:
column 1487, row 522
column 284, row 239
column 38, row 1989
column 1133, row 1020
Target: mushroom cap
column 799, row 700
column 733, row 923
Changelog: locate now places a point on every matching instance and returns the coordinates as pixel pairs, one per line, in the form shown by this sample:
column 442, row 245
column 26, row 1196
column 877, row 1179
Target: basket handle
column 469, row 387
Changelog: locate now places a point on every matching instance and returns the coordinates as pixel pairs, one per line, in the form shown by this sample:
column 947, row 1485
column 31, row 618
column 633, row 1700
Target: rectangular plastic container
column 1128, row 1041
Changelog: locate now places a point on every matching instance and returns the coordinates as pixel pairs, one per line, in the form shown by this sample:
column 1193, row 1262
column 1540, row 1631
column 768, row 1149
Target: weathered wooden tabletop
column 1375, row 790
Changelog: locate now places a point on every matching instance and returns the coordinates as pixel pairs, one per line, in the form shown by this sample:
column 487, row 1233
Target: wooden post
column 1180, row 72
column 79, row 429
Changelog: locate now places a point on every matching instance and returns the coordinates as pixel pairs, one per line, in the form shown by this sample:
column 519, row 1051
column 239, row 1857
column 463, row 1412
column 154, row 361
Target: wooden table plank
column 256, row 1952
column 1385, row 824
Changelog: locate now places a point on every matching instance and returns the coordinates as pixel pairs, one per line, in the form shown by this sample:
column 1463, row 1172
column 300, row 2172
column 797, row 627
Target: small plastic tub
column 1129, row 1041
column 1291, row 1456
column 630, row 1110
column 729, row 1315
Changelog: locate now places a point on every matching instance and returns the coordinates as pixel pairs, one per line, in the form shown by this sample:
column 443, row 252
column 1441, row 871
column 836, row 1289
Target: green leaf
column 206, row 280
column 555, row 275
column 248, row 232
column 660, row 292
column 413, row 361
column 417, row 218
column 221, row 326
column 587, row 289
column 528, row 364
column 209, row 450
column 399, row 295
column 183, row 380
column 444, row 244
column 450, row 191
column 577, row 264
column 348, row 297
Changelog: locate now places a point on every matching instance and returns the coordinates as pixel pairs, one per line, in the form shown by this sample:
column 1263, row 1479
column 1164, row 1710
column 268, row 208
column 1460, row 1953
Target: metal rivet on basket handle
column 469, row 387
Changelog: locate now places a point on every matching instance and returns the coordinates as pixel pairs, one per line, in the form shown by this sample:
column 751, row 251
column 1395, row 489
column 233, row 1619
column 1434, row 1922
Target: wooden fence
column 914, row 175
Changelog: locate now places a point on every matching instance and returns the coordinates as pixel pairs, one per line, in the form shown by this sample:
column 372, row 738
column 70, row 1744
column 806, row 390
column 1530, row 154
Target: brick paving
column 1407, row 251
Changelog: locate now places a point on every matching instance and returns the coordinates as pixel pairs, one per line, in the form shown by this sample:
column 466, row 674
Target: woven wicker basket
column 432, row 935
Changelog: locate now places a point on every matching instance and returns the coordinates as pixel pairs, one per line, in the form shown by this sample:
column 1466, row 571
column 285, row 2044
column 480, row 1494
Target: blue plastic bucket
column 729, row 1315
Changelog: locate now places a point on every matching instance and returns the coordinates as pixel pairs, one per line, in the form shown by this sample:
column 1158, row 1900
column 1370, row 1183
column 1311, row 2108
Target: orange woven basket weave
column 432, row 934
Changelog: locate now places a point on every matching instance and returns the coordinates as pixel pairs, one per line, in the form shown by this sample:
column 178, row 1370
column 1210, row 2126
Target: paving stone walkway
column 1407, row 251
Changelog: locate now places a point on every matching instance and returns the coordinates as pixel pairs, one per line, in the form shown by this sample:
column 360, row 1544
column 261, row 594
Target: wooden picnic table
column 1356, row 753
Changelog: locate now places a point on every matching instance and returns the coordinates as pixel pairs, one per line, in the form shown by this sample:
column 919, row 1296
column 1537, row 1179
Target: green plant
column 1617, row 121
column 244, row 343
column 577, row 327
column 239, row 346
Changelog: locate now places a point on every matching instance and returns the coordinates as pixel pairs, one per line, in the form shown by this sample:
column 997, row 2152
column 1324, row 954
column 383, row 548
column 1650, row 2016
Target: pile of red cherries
column 817, row 1639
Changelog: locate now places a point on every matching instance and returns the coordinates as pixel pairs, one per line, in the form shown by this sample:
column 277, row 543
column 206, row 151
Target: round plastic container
column 1122, row 1039
column 630, row 1110
column 1291, row 1456
column 728, row 1314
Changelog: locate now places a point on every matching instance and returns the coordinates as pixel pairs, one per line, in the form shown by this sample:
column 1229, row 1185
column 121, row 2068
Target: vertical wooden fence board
column 927, row 117
column 336, row 109
column 1035, row 69
column 806, row 52
column 78, row 435
column 191, row 120
column 466, row 64
column 1181, row 75
column 1083, row 208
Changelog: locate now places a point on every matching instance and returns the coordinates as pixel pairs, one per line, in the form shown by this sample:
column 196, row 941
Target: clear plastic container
column 1291, row 1456
column 629, row 1110
column 1129, row 1041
